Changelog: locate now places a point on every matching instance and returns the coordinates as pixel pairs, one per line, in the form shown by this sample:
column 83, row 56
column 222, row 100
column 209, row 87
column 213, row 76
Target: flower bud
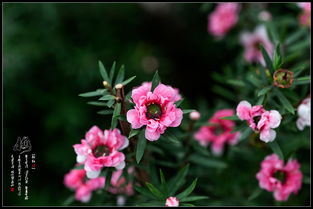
column 283, row 78
column 195, row 115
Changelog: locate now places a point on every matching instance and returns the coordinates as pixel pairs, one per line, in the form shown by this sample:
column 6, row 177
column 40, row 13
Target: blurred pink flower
column 172, row 202
column 118, row 181
column 101, row 149
column 155, row 110
column 251, row 42
column 304, row 114
column 223, row 18
column 76, row 179
column 280, row 179
column 259, row 119
column 218, row 132
column 305, row 16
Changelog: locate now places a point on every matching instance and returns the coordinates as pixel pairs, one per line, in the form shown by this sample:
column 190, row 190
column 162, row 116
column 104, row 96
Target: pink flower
column 76, row 179
column 223, row 18
column 155, row 110
column 172, row 202
column 259, row 119
column 218, row 132
column 304, row 114
column 280, row 179
column 251, row 42
column 118, row 183
column 195, row 115
column 101, row 149
column 305, row 16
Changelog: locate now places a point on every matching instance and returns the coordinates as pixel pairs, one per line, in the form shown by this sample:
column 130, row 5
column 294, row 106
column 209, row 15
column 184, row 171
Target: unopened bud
column 119, row 86
column 195, row 115
column 283, row 78
column 105, row 83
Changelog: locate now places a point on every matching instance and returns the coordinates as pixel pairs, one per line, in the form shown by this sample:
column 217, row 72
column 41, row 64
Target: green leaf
column 193, row 198
column 159, row 195
column 264, row 90
column 112, row 71
column 108, row 177
column 124, row 83
column 260, row 100
column 69, row 200
column 245, row 133
column 79, row 167
column 188, row 190
column 141, row 145
column 255, row 194
column 163, row 182
column 188, row 111
column 207, row 162
column 107, row 97
column 105, row 112
column 178, row 180
column 155, row 81
column 143, row 191
column 267, row 59
column 284, row 101
column 187, row 204
column 236, row 82
column 277, row 58
column 302, row 80
column 120, row 75
column 276, row 149
column 97, row 103
column 103, row 72
column 178, row 103
column 133, row 133
column 110, row 103
column 295, row 36
column 116, row 113
column 98, row 92
column 234, row 117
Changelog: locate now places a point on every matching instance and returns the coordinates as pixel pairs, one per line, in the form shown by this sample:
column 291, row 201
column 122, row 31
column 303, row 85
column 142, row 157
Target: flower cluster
column 280, row 179
column 118, row 183
column 101, row 149
column 76, row 180
column 218, row 132
column 224, row 17
column 172, row 202
column 156, row 110
column 259, row 119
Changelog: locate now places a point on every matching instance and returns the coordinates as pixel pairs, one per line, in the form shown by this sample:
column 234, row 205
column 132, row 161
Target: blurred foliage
column 51, row 53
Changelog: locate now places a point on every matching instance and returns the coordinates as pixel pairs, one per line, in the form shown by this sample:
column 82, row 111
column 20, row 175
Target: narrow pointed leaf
column 98, row 92
column 124, row 83
column 284, row 101
column 193, row 198
column 133, row 133
column 267, row 59
column 120, row 75
column 97, row 103
column 176, row 182
column 255, row 194
column 105, row 112
column 107, row 97
column 155, row 81
column 188, row 111
column 163, row 182
column 188, row 190
column 141, row 145
column 234, row 117
column 178, row 103
column 112, row 71
column 103, row 72
column 159, row 195
column 143, row 191
column 276, row 149
column 264, row 90
column 117, row 110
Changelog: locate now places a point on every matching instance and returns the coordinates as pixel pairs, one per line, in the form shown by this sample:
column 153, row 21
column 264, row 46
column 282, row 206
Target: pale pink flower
column 306, row 6
column 155, row 110
column 251, row 42
column 172, row 202
column 76, row 179
column 259, row 119
column 218, row 132
column 118, row 183
column 265, row 16
column 223, row 18
column 101, row 149
column 305, row 16
column 195, row 115
column 280, row 179
column 304, row 114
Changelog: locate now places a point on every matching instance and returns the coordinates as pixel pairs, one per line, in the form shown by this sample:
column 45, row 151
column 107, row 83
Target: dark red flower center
column 256, row 119
column 218, row 130
column 256, row 44
column 280, row 175
column 100, row 151
column 154, row 111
